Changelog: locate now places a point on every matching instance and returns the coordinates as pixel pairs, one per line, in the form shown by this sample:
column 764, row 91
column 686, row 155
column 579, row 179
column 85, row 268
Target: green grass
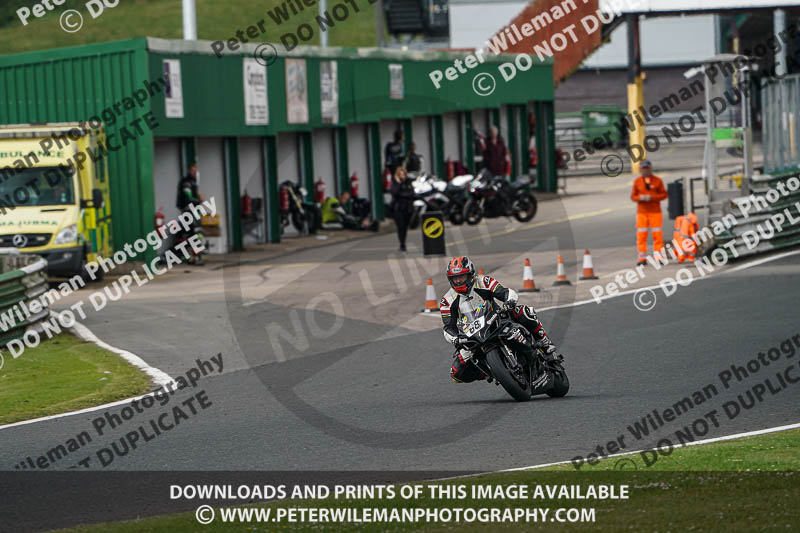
column 764, row 453
column 701, row 488
column 216, row 20
column 64, row 374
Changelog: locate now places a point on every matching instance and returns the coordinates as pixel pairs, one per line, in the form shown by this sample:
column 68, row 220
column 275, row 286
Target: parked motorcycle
column 437, row 195
column 485, row 331
column 494, row 196
column 195, row 258
column 304, row 215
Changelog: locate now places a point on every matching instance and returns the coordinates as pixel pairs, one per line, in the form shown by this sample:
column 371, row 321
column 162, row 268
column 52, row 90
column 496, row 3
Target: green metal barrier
column 23, row 278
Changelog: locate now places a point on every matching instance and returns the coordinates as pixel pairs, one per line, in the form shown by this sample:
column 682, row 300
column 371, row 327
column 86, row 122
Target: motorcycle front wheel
column 473, row 212
column 560, row 384
column 504, row 376
column 526, row 208
column 457, row 216
column 413, row 223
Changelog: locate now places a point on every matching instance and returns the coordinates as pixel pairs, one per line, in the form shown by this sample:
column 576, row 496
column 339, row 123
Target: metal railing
column 781, row 119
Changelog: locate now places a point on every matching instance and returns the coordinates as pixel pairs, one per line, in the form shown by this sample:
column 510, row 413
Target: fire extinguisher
column 354, row 185
column 451, row 170
column 247, row 205
column 508, row 164
column 387, row 180
column 160, row 217
column 319, row 191
column 284, row 199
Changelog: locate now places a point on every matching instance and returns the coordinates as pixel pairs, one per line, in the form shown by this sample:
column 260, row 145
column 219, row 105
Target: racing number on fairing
column 475, row 327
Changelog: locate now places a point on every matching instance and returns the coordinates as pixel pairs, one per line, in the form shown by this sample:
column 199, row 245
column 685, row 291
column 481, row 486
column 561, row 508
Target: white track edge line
column 651, row 287
column 160, row 377
column 764, row 431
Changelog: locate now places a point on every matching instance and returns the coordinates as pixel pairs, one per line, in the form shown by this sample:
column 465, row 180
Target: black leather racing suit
column 486, row 288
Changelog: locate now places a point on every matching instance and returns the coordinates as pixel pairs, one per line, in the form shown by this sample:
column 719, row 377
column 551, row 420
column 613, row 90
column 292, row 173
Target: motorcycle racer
column 468, row 291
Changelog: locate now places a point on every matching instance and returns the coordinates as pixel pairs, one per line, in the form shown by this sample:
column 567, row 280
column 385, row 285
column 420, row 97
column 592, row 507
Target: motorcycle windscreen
column 472, row 317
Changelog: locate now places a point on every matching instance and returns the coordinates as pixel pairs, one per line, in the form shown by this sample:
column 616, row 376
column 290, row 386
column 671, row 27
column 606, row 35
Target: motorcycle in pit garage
column 304, row 215
column 485, row 331
column 494, row 196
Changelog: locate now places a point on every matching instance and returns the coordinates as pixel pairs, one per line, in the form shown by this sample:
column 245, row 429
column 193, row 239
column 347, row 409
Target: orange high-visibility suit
column 685, row 228
column 648, row 193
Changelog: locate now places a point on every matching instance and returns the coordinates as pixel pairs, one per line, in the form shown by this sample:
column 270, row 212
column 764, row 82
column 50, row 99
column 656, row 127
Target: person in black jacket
column 402, row 204
column 393, row 153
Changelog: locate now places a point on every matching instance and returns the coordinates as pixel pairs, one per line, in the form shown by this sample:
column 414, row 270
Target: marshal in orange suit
column 648, row 192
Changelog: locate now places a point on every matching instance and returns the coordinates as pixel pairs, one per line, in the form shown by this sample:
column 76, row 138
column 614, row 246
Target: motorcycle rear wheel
column 473, row 212
column 503, row 375
column 526, row 208
column 299, row 221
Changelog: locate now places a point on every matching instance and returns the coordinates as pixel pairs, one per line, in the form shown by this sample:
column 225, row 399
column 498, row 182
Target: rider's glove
column 509, row 305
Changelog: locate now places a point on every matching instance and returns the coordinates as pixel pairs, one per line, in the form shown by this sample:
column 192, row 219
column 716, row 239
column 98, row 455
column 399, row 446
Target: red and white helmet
column 461, row 274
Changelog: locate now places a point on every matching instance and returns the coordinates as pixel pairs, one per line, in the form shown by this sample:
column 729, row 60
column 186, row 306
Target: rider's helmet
column 461, row 274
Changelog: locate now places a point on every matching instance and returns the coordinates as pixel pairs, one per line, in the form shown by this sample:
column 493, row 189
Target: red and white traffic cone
column 527, row 278
column 561, row 276
column 431, row 303
column 588, row 267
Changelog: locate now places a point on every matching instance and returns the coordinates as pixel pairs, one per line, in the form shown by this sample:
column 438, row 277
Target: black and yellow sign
column 433, row 233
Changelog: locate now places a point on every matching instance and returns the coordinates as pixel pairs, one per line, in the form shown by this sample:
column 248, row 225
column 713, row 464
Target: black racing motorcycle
column 486, row 332
column 494, row 196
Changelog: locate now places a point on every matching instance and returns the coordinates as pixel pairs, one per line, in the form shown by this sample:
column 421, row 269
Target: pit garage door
column 211, row 181
column 251, row 181
column 358, row 158
column 422, row 138
column 324, row 160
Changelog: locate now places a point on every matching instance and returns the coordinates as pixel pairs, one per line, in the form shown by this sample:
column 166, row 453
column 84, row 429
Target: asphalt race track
column 378, row 397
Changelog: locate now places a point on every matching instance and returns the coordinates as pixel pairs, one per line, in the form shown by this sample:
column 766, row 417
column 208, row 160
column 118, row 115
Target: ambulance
column 54, row 194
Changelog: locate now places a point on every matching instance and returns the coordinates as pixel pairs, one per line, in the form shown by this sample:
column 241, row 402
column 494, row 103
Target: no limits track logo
column 70, row 20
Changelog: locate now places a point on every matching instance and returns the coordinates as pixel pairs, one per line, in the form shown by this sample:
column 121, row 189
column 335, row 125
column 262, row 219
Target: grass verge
column 737, row 486
column 216, row 20
column 64, row 374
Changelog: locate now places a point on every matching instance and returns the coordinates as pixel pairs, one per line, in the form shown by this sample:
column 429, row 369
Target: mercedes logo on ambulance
column 19, row 241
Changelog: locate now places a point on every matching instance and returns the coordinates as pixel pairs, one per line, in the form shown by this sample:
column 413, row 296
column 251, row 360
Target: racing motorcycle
column 485, row 331
column 293, row 206
column 494, row 196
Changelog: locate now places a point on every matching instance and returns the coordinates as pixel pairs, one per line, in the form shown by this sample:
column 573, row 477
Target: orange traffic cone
column 588, row 267
column 480, row 272
column 527, row 278
column 431, row 303
column 561, row 277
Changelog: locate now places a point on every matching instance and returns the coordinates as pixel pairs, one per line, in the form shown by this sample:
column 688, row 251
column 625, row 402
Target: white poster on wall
column 173, row 92
column 256, row 111
column 396, row 82
column 329, row 91
column 296, row 91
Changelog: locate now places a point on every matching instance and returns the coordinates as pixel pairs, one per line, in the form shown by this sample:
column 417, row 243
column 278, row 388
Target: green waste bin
column 601, row 124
